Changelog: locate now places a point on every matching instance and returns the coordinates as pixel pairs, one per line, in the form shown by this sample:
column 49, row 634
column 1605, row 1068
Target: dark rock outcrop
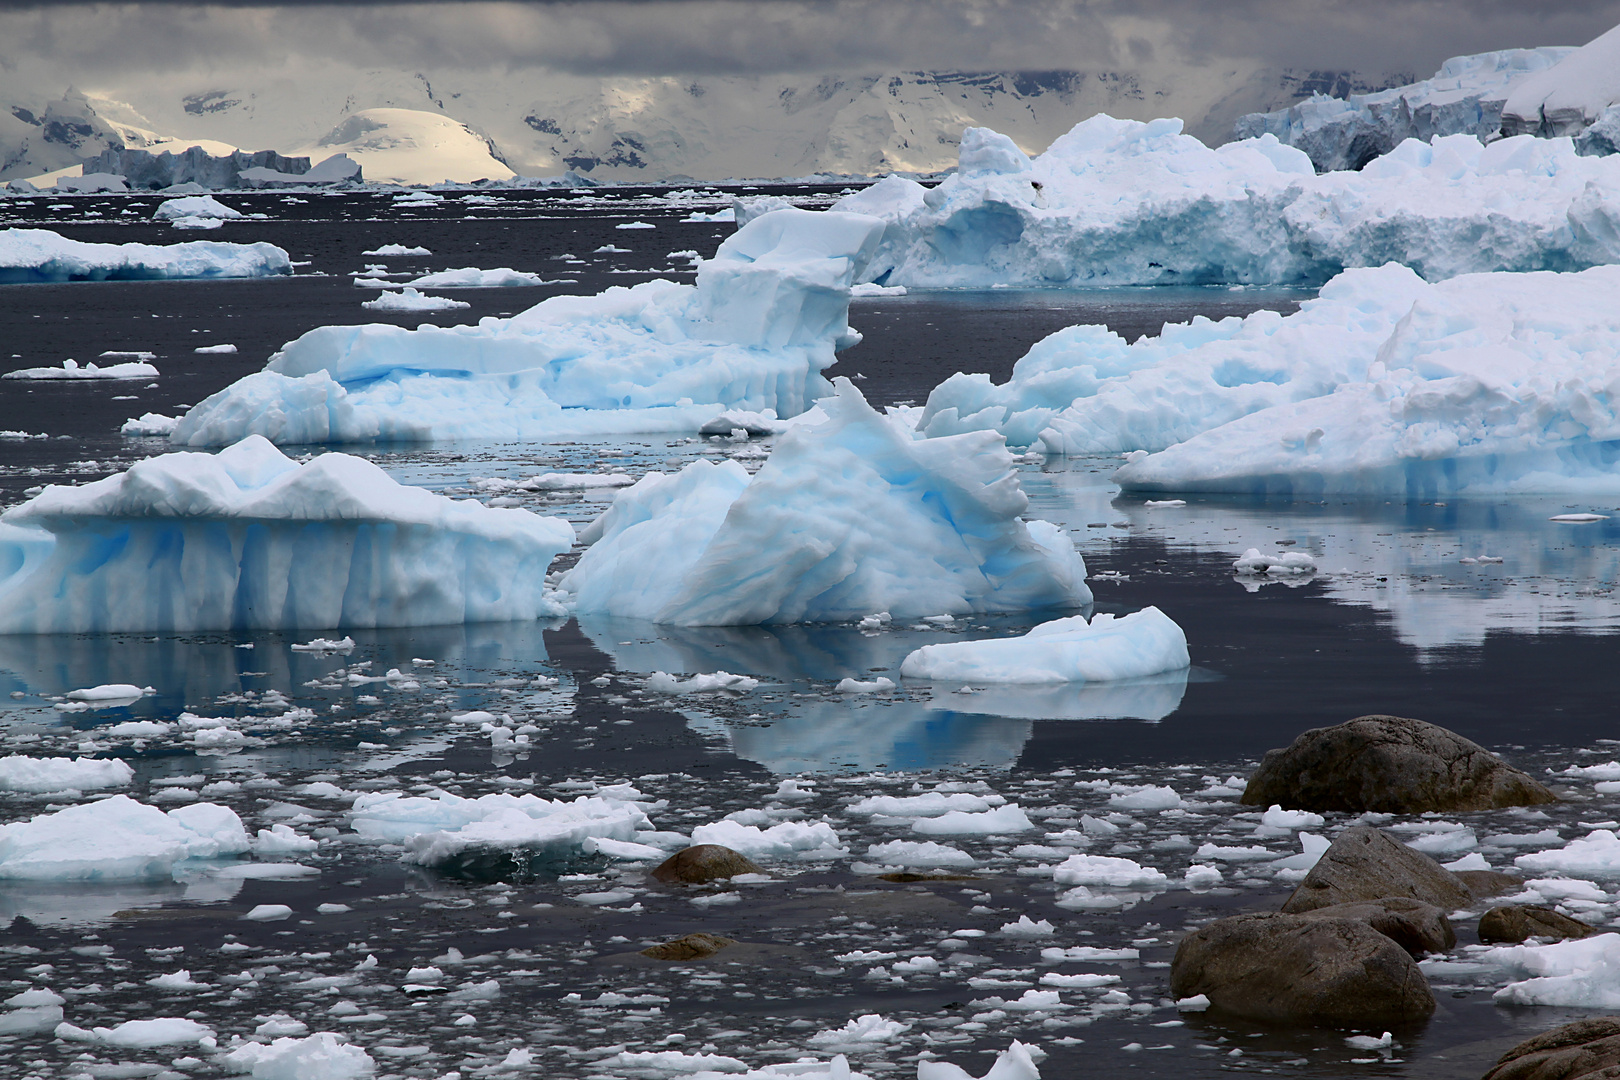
column 1368, row 864
column 1417, row 927
column 689, row 947
column 1515, row 924
column 1587, row 1049
column 703, row 863
column 1389, row 764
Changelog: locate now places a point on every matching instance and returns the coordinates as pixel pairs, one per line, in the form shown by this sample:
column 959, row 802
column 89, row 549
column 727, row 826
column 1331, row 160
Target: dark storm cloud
column 654, row 37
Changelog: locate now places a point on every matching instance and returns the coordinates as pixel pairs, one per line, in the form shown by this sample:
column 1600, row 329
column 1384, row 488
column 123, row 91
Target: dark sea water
column 1518, row 655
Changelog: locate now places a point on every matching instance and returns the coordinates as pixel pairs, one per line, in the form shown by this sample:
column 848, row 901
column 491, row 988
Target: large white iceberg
column 766, row 316
column 117, row 839
column 248, row 538
column 1571, row 95
column 1120, row 202
column 849, row 516
column 35, row 255
column 1071, row 650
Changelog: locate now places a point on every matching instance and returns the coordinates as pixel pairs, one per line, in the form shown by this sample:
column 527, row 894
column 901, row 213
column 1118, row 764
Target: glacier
column 1071, row 650
column 765, row 317
column 249, row 539
column 848, row 516
column 1465, row 97
column 40, row 255
column 1121, row 202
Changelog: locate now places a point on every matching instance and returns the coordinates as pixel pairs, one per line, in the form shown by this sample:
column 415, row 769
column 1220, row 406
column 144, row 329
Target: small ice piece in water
column 1202, row 876
column 269, row 913
column 1000, row 821
column 33, row 255
column 117, row 839
column 120, row 692
column 322, row 1056
column 409, row 299
column 1579, row 519
column 1288, row 562
column 1312, row 848
column 1276, row 817
column 1596, row 854
column 1582, row 974
column 1196, row 1003
column 223, row 349
column 879, row 685
column 1147, row 797
column 1370, row 1042
column 345, row 646
column 194, row 206
column 1017, row 1062
column 149, row 424
column 1164, row 504
column 22, row 773
column 813, row 841
column 1106, row 870
column 72, row 369
column 868, row 289
column 1026, row 927
column 142, row 1034
column 664, row 683
column 919, row 853
column 471, row 277
column 400, row 250
column 1146, row 642
column 860, row 1033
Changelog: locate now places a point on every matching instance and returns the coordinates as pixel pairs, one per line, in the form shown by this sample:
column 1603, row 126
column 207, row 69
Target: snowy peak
column 409, row 146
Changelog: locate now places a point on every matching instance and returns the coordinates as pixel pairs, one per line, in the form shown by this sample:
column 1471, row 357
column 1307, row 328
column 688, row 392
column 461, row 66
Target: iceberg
column 36, row 255
column 21, row 773
column 1121, row 202
column 1071, row 650
column 765, row 317
column 408, row 299
column 73, row 370
column 848, row 516
column 192, row 208
column 1569, row 96
column 249, row 539
column 117, row 839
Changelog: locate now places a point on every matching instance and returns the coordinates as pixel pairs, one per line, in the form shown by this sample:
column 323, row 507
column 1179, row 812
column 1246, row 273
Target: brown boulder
column 704, row 862
column 1301, row 970
column 1587, row 1048
column 1368, row 864
column 1484, row 883
column 690, row 947
column 1515, row 924
column 1389, row 764
column 1417, row 927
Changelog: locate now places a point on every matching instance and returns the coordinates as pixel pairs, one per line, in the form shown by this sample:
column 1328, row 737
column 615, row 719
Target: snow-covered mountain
column 705, row 128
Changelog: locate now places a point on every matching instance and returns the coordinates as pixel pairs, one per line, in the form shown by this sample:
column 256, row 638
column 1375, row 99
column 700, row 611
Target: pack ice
column 248, row 538
column 1121, row 202
column 36, row 255
column 1071, row 650
column 766, row 315
column 849, row 516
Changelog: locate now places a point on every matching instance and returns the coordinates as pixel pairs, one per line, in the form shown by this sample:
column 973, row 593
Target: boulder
column 690, row 947
column 704, row 862
column 1586, row 1048
column 1296, row 969
column 1488, row 882
column 1515, row 924
column 1368, row 864
column 1417, row 927
column 1389, row 764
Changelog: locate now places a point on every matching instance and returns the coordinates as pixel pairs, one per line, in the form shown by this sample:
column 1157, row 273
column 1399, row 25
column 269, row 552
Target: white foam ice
column 766, row 315
column 1070, row 650
column 1122, row 202
column 250, row 538
column 34, row 255
column 117, row 839
column 852, row 515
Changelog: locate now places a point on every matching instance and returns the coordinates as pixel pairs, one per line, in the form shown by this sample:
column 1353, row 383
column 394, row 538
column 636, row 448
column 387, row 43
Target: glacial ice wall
column 1570, row 95
column 40, row 255
column 766, row 316
column 249, row 539
column 849, row 516
column 1119, row 202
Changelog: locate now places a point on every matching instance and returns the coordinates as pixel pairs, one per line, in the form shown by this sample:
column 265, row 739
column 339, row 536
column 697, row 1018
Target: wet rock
column 1389, row 764
column 704, row 862
column 1484, row 883
column 1296, row 969
column 1368, row 864
column 905, row 877
column 690, row 947
column 1515, row 924
column 1417, row 927
column 1585, row 1049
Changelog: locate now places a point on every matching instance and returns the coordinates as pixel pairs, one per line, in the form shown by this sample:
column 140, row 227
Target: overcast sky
column 85, row 42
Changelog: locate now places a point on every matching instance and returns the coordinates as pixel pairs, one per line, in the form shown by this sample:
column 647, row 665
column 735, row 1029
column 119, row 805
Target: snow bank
column 34, row 255
column 21, row 773
column 852, row 515
column 117, row 839
column 1570, row 95
column 1120, row 202
column 765, row 317
column 1072, row 650
column 71, row 369
column 1465, row 97
column 248, row 538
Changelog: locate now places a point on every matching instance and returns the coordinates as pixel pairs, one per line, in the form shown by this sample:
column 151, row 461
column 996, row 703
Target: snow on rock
column 816, row 840
column 849, row 516
column 117, row 839
column 322, row 1056
column 766, row 315
column 1596, row 854
column 1145, row 642
column 248, row 538
column 1122, row 202
column 72, row 369
column 1570, row 95
column 408, row 299
column 1582, row 974
column 33, row 255
column 22, row 773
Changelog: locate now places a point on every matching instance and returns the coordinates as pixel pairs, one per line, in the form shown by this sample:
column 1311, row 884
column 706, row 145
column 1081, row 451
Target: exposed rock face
column 1389, row 764
column 1515, row 924
column 1368, row 864
column 1586, row 1048
column 705, row 862
column 1302, row 970
column 1417, row 927
column 690, row 947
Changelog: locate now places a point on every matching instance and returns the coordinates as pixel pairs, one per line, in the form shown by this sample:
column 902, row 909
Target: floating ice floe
column 408, row 299
column 72, row 369
column 248, row 538
column 849, row 516
column 142, row 1034
column 194, row 212
column 766, row 315
column 222, row 349
column 149, row 424
column 1122, row 202
column 21, row 773
column 1575, row 93
column 322, row 1056
column 790, row 839
column 1582, row 974
column 399, row 250
column 1283, row 562
column 33, row 255
column 1597, row 854
column 1071, row 650
column 924, row 854
column 117, row 839
column 471, row 277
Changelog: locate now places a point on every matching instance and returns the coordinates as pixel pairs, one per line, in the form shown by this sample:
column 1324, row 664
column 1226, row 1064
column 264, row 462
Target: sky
column 84, row 42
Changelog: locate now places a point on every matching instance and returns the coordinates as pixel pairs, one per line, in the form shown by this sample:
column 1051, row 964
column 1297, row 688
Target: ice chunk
column 442, row 828
column 20, row 773
column 847, row 517
column 322, row 1056
column 408, row 299
column 923, row 853
column 1106, row 870
column 1276, row 817
column 143, row 1034
column 191, row 207
column 71, row 370
column 399, row 250
column 1146, row 797
column 664, row 683
column 860, row 1033
column 149, row 424
column 764, row 318
column 1017, row 1062
column 250, row 538
column 1597, row 854
column 816, row 840
column 1580, row 974
column 1285, row 562
column 932, row 804
column 117, row 839
column 471, row 277
column 41, row 255
column 998, row 822
column 1107, row 648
